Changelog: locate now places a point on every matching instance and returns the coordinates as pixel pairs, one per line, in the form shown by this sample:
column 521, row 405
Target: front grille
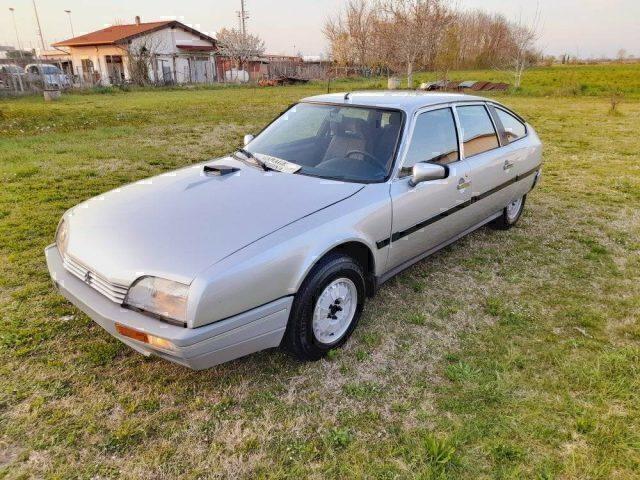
column 112, row 291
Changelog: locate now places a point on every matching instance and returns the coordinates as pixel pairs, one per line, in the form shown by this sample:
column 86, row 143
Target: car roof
column 399, row 99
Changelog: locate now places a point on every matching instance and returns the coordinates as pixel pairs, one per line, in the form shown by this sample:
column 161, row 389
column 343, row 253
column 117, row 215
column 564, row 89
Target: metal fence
column 32, row 76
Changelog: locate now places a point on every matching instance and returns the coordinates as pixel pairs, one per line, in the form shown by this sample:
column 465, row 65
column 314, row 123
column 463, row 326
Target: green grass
column 562, row 80
column 507, row 355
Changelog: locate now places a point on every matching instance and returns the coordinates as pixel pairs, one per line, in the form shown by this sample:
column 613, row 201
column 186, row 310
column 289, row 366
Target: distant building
column 294, row 59
column 176, row 53
column 4, row 51
column 9, row 53
column 59, row 58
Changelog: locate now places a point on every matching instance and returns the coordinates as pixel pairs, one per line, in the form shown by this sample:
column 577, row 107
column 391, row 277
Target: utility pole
column 15, row 27
column 243, row 15
column 39, row 28
column 70, row 23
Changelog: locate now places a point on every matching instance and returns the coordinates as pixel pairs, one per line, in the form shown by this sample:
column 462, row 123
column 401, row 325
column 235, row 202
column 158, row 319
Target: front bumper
column 196, row 348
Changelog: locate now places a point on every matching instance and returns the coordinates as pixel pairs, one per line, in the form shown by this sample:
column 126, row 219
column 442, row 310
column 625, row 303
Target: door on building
column 115, row 69
column 165, row 71
column 87, row 71
column 199, row 73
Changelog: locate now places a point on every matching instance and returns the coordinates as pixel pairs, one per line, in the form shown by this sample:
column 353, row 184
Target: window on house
column 478, row 133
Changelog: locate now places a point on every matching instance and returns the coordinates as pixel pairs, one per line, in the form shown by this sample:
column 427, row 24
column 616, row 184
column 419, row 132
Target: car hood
column 177, row 224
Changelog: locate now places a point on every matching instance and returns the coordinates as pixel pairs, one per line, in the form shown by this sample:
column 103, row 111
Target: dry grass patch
column 508, row 354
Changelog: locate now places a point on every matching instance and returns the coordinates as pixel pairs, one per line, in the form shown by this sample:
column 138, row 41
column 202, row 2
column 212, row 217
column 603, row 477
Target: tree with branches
column 351, row 33
column 239, row 47
column 522, row 53
column 141, row 56
column 430, row 34
column 418, row 27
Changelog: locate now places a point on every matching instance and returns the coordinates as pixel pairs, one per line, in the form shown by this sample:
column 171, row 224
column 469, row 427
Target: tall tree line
column 407, row 35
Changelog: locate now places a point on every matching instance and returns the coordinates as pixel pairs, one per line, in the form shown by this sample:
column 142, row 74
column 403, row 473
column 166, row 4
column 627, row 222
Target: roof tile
column 112, row 34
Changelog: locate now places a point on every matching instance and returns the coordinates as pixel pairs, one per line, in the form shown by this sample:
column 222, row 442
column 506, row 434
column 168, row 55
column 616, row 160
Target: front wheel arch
column 300, row 337
column 361, row 253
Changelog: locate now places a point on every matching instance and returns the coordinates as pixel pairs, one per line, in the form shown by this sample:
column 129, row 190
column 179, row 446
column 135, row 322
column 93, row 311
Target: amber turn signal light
column 143, row 337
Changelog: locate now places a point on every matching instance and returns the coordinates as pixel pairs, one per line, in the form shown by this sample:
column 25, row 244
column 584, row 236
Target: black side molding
column 401, row 234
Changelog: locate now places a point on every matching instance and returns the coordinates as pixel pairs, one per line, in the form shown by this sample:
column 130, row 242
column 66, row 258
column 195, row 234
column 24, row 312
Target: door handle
column 507, row 165
column 463, row 183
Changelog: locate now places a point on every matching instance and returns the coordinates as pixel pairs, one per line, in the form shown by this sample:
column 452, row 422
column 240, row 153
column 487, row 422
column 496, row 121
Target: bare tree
column 361, row 21
column 484, row 39
column 418, row 27
column 351, row 34
column 448, row 52
column 522, row 53
column 429, row 34
column 622, row 55
column 141, row 56
column 384, row 46
column 339, row 41
column 239, row 47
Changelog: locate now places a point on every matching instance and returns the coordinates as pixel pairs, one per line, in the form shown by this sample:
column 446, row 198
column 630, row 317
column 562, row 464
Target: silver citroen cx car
column 281, row 242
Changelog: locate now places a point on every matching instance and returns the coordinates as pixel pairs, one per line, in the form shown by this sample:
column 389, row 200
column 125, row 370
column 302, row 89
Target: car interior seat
column 347, row 135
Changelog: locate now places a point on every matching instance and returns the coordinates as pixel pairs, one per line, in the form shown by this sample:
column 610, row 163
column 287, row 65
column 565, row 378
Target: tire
column 334, row 275
column 510, row 215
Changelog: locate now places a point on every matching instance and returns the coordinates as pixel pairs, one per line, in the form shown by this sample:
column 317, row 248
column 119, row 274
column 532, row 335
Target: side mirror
column 425, row 172
column 248, row 139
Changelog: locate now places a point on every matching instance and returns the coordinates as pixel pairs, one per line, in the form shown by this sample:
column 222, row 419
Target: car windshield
column 344, row 143
column 11, row 69
column 50, row 70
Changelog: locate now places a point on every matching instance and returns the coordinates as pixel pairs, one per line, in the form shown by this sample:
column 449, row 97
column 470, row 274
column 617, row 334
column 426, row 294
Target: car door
column 518, row 150
column 488, row 165
column 430, row 213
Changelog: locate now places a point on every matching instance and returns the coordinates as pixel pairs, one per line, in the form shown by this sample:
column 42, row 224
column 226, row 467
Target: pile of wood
column 461, row 86
column 281, row 80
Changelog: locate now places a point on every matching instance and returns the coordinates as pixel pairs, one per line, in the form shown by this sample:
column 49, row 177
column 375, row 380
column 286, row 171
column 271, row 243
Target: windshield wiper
column 250, row 155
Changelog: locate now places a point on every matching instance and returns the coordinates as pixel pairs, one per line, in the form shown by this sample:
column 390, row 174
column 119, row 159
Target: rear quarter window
column 514, row 128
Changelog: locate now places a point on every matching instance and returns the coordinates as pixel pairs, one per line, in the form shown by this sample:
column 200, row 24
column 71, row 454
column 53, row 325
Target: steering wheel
column 365, row 156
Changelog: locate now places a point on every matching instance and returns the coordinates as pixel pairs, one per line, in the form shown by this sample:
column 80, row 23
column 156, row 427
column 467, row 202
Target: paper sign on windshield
column 278, row 164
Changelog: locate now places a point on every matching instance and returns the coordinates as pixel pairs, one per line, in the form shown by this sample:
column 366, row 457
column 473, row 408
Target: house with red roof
column 163, row 52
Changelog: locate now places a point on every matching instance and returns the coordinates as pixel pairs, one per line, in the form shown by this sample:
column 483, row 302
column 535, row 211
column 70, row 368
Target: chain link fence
column 34, row 76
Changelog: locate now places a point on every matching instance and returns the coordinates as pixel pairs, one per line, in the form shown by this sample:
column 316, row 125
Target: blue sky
column 586, row 27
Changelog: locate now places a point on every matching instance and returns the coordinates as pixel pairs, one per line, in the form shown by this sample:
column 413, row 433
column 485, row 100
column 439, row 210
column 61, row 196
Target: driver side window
column 434, row 140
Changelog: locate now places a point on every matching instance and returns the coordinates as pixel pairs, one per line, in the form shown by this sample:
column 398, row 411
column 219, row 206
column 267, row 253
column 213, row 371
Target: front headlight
column 159, row 297
column 62, row 237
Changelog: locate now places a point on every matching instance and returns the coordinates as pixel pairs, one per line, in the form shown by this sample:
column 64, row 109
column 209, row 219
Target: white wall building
column 176, row 53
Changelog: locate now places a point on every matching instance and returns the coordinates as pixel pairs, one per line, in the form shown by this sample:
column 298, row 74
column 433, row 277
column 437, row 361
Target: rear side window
column 434, row 139
column 514, row 128
column 478, row 133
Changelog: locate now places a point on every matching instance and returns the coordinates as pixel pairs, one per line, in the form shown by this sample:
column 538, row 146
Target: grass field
column 507, row 355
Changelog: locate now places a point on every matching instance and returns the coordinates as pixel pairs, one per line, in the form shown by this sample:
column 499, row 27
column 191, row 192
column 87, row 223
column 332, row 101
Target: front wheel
column 327, row 307
column 510, row 215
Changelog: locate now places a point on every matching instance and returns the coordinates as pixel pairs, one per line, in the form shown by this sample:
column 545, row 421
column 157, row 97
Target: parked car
column 10, row 75
column 281, row 242
column 50, row 75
